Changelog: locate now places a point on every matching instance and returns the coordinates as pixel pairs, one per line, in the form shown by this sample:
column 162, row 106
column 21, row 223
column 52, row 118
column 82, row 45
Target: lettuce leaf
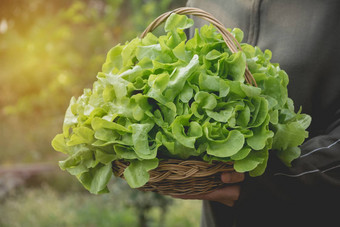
column 136, row 174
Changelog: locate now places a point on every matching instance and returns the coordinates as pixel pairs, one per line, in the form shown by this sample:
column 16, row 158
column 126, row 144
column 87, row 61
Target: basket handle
column 228, row 38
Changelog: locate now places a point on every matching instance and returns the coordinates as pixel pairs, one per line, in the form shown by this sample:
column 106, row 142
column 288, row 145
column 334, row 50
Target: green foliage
column 48, row 206
column 163, row 97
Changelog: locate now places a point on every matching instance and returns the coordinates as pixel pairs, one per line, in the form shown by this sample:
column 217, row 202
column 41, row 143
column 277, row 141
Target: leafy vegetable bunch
column 169, row 97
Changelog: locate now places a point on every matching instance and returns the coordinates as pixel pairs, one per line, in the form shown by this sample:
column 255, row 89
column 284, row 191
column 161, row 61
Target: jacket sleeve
column 313, row 179
column 319, row 160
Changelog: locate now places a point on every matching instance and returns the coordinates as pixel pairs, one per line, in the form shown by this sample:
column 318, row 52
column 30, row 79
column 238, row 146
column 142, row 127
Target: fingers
column 232, row 177
column 227, row 195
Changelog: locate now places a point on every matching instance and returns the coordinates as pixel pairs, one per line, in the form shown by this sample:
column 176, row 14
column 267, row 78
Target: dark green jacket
column 304, row 37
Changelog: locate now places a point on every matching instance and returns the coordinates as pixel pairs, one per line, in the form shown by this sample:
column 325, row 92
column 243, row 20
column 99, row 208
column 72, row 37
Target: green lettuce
column 170, row 97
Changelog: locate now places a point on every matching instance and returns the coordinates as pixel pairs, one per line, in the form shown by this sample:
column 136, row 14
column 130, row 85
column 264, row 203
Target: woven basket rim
column 180, row 177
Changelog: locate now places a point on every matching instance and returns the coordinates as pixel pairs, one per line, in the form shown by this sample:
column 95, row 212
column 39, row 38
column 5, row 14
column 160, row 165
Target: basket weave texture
column 187, row 177
column 181, row 177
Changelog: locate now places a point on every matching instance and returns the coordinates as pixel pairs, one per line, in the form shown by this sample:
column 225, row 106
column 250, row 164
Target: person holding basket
column 304, row 38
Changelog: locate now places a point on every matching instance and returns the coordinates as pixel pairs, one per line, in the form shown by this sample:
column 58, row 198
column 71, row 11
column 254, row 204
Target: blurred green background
column 49, row 52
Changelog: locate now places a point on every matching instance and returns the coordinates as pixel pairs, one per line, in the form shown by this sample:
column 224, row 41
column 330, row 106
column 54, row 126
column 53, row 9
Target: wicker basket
column 184, row 177
column 181, row 177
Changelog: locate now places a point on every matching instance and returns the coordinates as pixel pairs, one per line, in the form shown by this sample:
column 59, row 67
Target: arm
column 316, row 170
column 312, row 181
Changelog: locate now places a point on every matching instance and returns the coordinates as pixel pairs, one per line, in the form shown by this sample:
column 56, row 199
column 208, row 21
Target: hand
column 227, row 195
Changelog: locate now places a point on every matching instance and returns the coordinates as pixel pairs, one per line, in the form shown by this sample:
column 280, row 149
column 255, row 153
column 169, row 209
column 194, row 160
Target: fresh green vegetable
column 169, row 97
